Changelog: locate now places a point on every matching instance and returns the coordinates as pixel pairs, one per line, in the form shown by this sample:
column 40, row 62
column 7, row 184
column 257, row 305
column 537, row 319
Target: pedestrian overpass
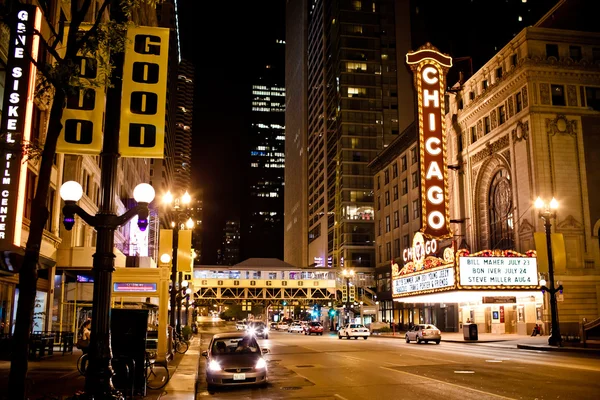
column 263, row 280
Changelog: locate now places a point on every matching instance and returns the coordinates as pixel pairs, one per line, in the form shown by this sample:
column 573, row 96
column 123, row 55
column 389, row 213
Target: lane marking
column 464, row 372
column 451, row 384
column 493, row 361
column 339, row 397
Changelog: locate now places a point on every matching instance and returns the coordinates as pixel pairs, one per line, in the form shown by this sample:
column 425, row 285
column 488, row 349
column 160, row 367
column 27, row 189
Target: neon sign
column 430, row 67
column 16, row 121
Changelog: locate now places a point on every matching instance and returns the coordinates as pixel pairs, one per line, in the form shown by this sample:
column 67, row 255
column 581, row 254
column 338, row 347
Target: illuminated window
column 356, row 92
column 357, row 5
column 355, row 66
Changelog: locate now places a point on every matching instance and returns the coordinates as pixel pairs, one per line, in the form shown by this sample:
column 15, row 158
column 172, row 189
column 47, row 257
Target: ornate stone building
column 526, row 125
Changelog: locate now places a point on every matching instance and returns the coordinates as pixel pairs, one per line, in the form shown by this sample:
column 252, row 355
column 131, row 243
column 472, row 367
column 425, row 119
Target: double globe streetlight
column 179, row 209
column 546, row 212
column 99, row 369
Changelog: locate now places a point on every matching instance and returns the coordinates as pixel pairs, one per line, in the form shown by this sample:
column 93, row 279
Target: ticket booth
column 145, row 288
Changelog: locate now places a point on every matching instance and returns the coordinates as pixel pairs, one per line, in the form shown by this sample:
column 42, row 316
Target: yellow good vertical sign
column 83, row 115
column 165, row 243
column 184, row 251
column 144, row 93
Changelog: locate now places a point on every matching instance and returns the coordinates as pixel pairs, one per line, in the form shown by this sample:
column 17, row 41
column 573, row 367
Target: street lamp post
column 546, row 212
column 347, row 273
column 177, row 203
column 99, row 372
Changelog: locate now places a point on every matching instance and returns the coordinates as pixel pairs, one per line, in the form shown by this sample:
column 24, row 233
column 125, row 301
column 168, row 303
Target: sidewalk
column 58, row 376
column 505, row 340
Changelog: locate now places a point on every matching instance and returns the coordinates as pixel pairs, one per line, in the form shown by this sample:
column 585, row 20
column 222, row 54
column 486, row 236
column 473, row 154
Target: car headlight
column 251, row 331
column 261, row 364
column 213, row 365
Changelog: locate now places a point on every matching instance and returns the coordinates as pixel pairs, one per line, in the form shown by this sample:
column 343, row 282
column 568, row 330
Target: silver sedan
column 235, row 359
column 424, row 333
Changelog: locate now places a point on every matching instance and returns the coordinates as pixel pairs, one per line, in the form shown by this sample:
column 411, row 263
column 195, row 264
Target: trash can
column 470, row 332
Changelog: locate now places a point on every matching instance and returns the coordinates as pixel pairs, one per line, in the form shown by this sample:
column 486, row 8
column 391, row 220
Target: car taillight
column 424, row 333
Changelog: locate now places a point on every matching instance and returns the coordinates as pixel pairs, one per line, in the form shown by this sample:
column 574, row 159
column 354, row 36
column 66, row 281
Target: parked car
column 424, row 333
column 258, row 329
column 235, row 359
column 313, row 327
column 273, row 326
column 353, row 331
column 295, row 327
column 240, row 326
column 282, row 326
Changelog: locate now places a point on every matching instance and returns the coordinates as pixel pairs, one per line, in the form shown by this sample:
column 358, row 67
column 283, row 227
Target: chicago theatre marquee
column 434, row 278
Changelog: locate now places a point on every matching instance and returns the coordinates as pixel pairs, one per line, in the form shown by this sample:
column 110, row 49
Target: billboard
column 16, row 120
column 430, row 67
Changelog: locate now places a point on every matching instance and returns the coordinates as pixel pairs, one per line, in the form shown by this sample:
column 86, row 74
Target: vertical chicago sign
column 430, row 68
column 19, row 89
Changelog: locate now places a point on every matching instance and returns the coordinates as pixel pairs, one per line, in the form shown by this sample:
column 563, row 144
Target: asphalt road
column 323, row 367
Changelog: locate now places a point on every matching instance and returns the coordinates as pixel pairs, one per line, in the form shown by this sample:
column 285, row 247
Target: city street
column 324, row 367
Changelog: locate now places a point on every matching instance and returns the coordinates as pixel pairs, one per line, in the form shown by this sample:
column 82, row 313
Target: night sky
column 227, row 41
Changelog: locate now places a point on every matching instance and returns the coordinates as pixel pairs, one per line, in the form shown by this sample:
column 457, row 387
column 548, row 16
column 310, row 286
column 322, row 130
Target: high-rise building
column 183, row 136
column 354, row 102
column 230, row 254
column 197, row 214
column 262, row 212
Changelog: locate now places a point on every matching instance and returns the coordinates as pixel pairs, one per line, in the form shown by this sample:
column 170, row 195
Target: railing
column 590, row 332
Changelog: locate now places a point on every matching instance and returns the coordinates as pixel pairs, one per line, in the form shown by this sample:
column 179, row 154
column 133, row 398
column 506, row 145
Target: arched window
column 501, row 212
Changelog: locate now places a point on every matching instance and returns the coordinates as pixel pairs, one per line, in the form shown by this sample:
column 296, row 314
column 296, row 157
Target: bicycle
column 157, row 373
column 179, row 344
column 82, row 363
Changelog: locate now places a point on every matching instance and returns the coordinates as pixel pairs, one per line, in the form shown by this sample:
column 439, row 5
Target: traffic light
column 344, row 293
column 331, row 312
column 352, row 294
column 285, row 303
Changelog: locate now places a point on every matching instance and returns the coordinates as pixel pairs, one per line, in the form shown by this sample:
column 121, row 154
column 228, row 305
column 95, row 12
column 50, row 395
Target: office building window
column 499, row 73
column 405, row 241
column 487, row 125
column 484, row 84
column 396, row 219
column 404, row 186
column 379, row 254
column 379, row 228
column 388, row 226
column 388, row 251
column 592, row 97
column 378, row 182
column 416, row 209
column 395, row 170
column 513, row 60
column 558, row 95
column 519, row 101
column 378, row 202
column 473, row 134
column 396, row 247
column 459, row 142
column 471, row 95
column 405, row 215
column 386, row 175
column 501, row 115
column 30, row 179
column 575, row 53
column 552, row 50
column 404, row 164
column 413, row 155
column 415, row 179
column 395, row 192
column 387, row 198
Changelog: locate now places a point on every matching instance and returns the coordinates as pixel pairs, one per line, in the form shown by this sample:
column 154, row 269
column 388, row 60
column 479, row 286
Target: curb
column 580, row 350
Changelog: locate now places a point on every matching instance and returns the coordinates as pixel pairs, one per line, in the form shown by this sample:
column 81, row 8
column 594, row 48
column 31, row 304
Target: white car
column 282, row 326
column 353, row 331
column 296, row 327
column 240, row 326
column 424, row 333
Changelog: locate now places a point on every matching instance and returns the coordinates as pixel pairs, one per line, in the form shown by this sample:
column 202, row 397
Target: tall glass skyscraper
column 262, row 213
column 354, row 109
